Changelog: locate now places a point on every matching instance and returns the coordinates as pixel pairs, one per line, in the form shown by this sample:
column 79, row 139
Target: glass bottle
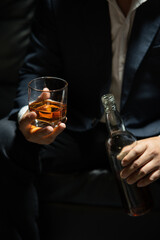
column 136, row 201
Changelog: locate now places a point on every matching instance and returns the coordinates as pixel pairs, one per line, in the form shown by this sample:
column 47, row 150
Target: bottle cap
column 108, row 101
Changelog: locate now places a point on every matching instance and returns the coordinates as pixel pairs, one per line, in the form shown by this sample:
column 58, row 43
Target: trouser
column 22, row 164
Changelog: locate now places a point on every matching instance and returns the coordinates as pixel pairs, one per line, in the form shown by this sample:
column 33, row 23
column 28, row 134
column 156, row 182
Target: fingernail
column 63, row 125
column 121, row 155
column 123, row 163
column 122, row 175
column 49, row 129
column 129, row 181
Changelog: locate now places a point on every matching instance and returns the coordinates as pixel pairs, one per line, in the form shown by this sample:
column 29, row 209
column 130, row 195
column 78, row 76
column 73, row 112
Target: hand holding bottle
column 122, row 150
column 141, row 162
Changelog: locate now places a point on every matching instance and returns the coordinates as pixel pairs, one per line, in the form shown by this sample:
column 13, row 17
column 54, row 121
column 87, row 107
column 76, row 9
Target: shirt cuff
column 21, row 112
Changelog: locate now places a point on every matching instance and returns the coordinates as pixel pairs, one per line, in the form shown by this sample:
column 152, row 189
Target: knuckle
column 153, row 178
column 142, row 172
column 136, row 165
column 153, row 152
column 135, row 152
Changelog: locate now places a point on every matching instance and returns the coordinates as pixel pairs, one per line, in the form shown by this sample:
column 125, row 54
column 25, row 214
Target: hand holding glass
column 47, row 97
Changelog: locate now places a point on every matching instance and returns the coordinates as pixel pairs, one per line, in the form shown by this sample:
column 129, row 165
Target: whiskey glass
column 47, row 97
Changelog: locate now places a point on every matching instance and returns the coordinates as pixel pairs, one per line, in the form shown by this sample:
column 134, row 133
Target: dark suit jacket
column 71, row 39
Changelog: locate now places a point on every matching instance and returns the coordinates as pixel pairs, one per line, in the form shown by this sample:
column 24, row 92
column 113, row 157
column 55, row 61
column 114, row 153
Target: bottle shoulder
column 123, row 134
column 120, row 139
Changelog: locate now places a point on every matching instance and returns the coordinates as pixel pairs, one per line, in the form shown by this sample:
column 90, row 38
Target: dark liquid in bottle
column 136, row 201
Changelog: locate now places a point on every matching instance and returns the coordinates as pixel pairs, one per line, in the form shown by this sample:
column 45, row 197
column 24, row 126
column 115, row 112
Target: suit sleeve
column 43, row 57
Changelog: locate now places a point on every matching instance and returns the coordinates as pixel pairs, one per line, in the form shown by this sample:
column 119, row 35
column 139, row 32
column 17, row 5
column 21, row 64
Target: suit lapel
column 146, row 24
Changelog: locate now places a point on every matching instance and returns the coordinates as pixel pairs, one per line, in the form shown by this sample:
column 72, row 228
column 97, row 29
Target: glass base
column 43, row 124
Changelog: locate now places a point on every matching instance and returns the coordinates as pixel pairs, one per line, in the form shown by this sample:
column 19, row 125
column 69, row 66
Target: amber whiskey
column 48, row 112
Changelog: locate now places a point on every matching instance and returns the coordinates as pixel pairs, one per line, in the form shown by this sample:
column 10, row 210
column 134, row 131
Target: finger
column 149, row 179
column 46, row 135
column 140, row 173
column 122, row 154
column 125, row 151
column 137, row 165
column 133, row 154
column 56, row 131
column 44, row 95
column 38, row 132
column 148, row 168
column 34, row 134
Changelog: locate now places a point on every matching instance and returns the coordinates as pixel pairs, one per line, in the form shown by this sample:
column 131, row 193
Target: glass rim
column 48, row 77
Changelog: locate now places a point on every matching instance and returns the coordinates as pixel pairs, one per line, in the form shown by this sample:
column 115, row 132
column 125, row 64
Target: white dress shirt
column 120, row 32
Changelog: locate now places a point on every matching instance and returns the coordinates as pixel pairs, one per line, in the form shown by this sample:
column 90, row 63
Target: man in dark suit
column 77, row 40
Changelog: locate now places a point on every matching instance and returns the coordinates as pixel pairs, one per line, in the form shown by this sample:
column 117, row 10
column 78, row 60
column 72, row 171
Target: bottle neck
column 114, row 121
